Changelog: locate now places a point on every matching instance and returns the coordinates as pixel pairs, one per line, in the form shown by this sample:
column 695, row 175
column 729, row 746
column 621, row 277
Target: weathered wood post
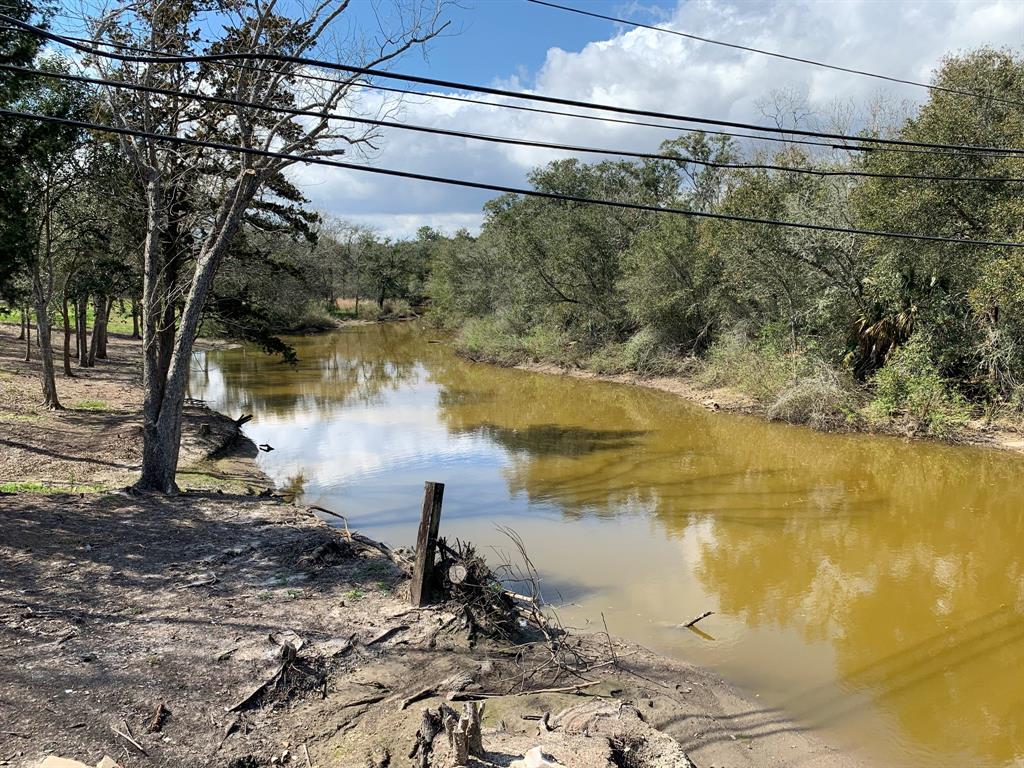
column 426, row 543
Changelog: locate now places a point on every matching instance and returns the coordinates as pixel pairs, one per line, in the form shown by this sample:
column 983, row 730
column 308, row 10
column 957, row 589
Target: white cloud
column 650, row 70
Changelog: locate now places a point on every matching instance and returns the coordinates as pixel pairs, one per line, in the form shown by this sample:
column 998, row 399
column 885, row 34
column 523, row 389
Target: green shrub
column 759, row 369
column 643, row 353
column 910, row 389
column 488, row 339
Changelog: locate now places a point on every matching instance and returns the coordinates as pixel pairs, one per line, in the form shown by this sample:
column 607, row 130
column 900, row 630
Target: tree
column 51, row 166
column 253, row 28
column 17, row 48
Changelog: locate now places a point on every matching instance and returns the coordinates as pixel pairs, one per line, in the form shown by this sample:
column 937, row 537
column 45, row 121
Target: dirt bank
column 978, row 432
column 226, row 629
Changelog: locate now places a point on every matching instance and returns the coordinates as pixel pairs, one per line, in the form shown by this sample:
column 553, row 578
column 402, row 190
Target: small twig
column 704, row 615
column 305, row 751
column 129, row 739
column 611, row 646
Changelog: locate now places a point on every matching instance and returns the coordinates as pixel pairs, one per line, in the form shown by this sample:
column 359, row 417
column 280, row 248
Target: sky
column 515, row 44
column 518, row 45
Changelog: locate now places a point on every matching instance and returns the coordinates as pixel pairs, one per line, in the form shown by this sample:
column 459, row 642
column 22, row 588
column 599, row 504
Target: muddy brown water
column 870, row 589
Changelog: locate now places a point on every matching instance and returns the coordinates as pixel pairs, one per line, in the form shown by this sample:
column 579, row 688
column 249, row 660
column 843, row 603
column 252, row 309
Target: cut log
column 457, row 573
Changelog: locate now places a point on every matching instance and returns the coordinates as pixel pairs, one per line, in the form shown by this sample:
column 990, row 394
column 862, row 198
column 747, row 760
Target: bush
column 910, row 389
column 825, row 400
column 759, row 369
column 643, row 353
column 488, row 339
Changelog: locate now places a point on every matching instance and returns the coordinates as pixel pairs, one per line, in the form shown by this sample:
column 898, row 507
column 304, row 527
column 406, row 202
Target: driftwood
column 431, row 725
column 387, row 634
column 704, row 615
column 288, row 653
column 471, row 695
column 455, row 683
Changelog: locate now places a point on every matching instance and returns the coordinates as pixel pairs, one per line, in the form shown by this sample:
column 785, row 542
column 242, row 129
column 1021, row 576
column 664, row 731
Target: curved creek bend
column 869, row 588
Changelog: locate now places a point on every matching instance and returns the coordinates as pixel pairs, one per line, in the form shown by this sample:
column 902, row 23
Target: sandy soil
column 225, row 629
column 1002, row 436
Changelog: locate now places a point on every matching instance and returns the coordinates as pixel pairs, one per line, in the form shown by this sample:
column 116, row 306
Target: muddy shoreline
column 975, row 433
column 163, row 619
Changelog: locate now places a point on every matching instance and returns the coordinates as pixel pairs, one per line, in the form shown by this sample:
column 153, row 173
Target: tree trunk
column 42, row 296
column 66, row 314
column 21, row 336
column 164, row 400
column 135, row 320
column 50, row 399
column 28, row 334
column 97, row 309
column 102, row 319
column 81, row 320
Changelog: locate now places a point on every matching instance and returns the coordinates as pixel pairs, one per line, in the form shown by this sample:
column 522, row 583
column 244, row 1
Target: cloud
column 650, row 70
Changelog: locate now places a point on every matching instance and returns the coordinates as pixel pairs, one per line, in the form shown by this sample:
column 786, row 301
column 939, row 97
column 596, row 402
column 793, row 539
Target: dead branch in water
column 704, row 615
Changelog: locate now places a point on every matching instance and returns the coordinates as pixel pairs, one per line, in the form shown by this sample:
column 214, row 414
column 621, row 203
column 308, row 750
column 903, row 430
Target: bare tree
column 185, row 242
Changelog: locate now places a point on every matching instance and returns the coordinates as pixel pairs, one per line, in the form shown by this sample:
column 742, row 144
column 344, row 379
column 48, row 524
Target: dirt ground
column 95, row 443
column 217, row 627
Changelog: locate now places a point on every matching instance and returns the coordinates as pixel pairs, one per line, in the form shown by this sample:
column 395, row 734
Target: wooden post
column 426, row 543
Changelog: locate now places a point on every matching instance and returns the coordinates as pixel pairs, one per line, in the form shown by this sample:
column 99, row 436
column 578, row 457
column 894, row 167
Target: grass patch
column 91, row 405
column 118, row 322
column 33, row 486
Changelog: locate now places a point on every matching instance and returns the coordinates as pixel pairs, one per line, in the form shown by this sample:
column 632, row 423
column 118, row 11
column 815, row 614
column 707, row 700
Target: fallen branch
column 127, row 737
column 469, row 696
column 157, row 721
column 287, row 658
column 387, row 634
column 704, row 615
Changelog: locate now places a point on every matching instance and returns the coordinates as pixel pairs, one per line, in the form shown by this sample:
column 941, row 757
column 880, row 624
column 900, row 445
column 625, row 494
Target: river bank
column 978, row 432
column 145, row 627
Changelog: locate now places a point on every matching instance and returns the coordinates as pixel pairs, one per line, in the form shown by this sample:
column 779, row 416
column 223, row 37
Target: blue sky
column 493, row 39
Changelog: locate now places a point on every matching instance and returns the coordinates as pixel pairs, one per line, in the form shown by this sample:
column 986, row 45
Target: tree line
column 820, row 327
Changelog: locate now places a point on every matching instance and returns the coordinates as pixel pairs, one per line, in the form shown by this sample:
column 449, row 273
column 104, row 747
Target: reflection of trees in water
column 903, row 589
column 895, row 554
column 334, row 371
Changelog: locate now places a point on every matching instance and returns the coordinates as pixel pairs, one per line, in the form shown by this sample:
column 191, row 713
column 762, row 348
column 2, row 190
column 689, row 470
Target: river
column 870, row 588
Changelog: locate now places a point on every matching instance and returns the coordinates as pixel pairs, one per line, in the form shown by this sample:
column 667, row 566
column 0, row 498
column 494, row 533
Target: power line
column 819, row 172
column 775, row 54
column 371, row 72
column 577, row 115
column 497, row 187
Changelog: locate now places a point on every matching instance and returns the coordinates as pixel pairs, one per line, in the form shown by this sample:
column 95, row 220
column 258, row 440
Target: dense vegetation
column 828, row 328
